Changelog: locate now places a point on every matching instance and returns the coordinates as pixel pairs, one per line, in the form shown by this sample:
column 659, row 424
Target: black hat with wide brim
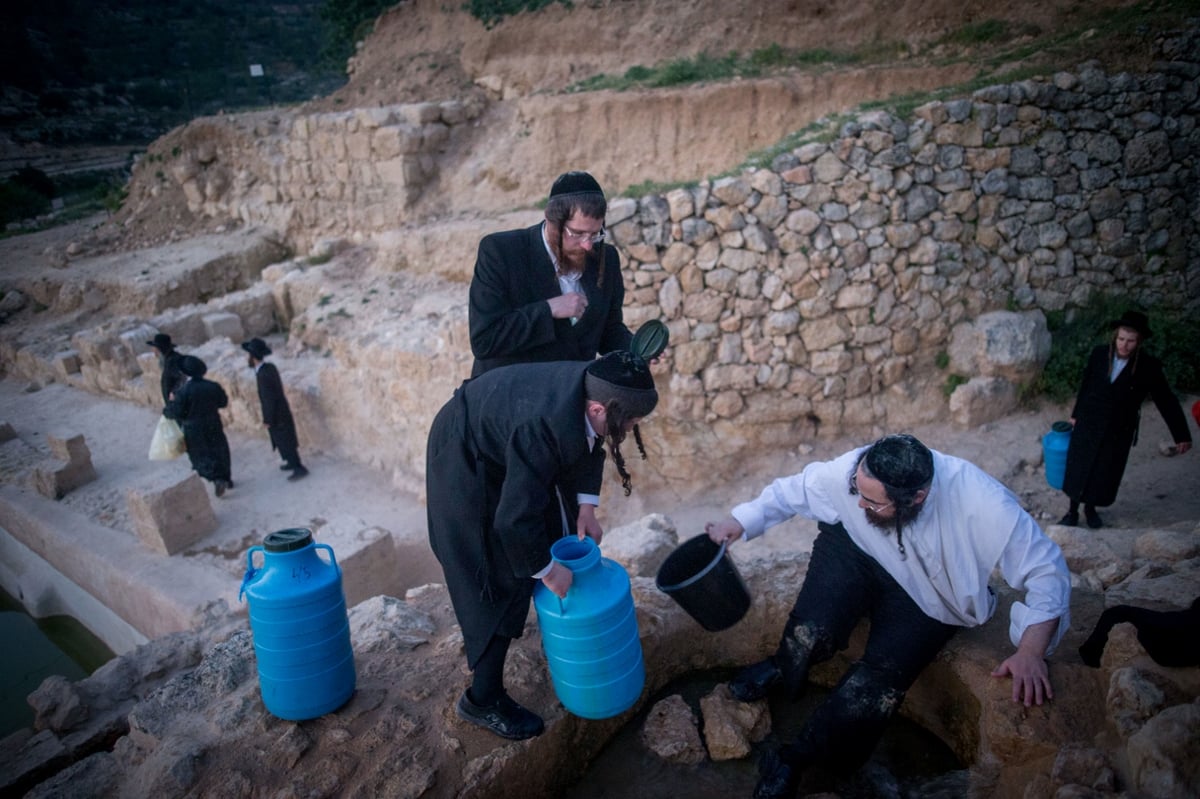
column 1134, row 320
column 256, row 347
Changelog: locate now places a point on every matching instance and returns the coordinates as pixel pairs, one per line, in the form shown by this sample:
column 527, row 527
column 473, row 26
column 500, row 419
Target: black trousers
column 843, row 585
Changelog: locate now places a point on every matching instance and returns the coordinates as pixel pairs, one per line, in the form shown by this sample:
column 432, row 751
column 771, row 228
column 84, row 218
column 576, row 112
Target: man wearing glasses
column 551, row 292
column 908, row 538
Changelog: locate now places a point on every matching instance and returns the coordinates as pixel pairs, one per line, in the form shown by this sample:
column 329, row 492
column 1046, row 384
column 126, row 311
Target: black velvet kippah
column 900, row 461
column 571, row 183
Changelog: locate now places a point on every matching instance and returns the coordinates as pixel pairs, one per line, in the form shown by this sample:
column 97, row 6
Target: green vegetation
column 30, row 195
column 953, row 381
column 1175, row 342
column 489, row 12
column 708, row 67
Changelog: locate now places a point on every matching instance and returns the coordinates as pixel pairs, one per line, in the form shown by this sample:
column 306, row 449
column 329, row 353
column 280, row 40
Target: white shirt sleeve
column 1032, row 563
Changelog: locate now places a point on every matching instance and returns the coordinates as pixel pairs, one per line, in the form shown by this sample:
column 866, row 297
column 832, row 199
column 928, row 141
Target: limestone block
column 642, row 545
column 134, row 341
column 367, row 556
column 66, row 363
column 69, row 467
column 172, row 513
column 69, row 447
column 670, row 731
column 227, row 325
column 1002, row 344
column 981, row 400
column 55, row 479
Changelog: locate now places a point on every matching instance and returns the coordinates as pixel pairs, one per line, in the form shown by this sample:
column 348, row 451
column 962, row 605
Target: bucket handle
column 251, row 571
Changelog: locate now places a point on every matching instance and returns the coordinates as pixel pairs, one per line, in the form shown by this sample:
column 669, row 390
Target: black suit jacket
column 1106, row 418
column 499, row 456
column 510, row 321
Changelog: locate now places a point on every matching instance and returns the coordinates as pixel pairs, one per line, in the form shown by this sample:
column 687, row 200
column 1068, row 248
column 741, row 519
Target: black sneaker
column 778, row 780
column 1093, row 519
column 286, row 467
column 219, row 487
column 298, row 473
column 752, row 683
column 1070, row 520
column 504, row 717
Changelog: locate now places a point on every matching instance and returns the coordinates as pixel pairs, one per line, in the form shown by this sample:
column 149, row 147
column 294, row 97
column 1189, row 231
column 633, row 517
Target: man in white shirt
column 908, row 538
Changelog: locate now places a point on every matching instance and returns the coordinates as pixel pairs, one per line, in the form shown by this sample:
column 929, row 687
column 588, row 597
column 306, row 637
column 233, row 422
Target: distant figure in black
column 195, row 406
column 1170, row 637
column 277, row 414
column 1116, row 380
column 168, row 359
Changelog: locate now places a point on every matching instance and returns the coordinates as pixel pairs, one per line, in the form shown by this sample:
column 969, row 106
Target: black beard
column 901, row 517
column 885, row 523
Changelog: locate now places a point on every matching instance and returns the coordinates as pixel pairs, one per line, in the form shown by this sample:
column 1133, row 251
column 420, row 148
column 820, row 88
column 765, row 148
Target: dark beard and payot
column 889, row 524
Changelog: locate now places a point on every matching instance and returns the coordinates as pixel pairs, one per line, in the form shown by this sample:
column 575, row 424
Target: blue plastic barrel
column 300, row 626
column 1054, row 453
column 591, row 636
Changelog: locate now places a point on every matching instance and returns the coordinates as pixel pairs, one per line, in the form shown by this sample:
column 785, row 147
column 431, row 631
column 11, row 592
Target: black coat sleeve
column 506, row 318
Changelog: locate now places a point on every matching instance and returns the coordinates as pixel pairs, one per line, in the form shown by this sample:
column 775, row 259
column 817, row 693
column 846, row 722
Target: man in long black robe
column 195, row 406
column 514, row 462
column 169, row 359
column 276, row 413
column 1106, row 416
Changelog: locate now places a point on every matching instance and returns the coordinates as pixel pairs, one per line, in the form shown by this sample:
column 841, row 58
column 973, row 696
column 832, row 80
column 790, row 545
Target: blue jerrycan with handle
column 591, row 636
column 300, row 626
column 1054, row 453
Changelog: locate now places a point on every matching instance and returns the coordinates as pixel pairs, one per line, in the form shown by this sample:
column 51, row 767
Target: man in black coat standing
column 168, row 360
column 196, row 405
column 276, row 413
column 514, row 462
column 551, row 292
column 1116, row 381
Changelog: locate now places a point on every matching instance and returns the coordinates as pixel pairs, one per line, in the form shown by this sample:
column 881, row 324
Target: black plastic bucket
column 705, row 583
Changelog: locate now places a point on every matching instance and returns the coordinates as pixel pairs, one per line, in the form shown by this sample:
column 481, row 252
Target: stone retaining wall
column 828, row 285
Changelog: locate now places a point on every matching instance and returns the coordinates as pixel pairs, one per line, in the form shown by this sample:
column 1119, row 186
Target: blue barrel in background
column 1054, row 453
column 591, row 636
column 300, row 626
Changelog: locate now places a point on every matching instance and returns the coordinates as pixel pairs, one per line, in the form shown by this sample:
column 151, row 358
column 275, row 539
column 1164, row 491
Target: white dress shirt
column 970, row 525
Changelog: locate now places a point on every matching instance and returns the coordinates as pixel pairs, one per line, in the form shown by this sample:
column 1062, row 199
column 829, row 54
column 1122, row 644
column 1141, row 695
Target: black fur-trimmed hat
column 624, row 377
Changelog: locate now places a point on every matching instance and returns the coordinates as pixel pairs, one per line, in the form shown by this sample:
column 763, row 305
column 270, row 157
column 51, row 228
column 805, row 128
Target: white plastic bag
column 167, row 442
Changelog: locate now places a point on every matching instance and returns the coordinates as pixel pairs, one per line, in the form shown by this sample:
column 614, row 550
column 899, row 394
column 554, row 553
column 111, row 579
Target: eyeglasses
column 870, row 505
column 582, row 236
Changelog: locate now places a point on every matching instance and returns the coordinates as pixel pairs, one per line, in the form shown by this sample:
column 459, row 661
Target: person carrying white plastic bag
column 167, row 443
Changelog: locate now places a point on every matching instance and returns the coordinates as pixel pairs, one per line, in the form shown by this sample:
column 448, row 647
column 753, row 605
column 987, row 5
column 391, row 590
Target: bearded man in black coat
column 551, row 292
column 513, row 463
column 1108, row 408
column 195, row 406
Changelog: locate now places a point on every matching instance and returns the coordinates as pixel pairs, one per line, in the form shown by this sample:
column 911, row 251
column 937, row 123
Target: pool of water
column 33, row 650
column 909, row 763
